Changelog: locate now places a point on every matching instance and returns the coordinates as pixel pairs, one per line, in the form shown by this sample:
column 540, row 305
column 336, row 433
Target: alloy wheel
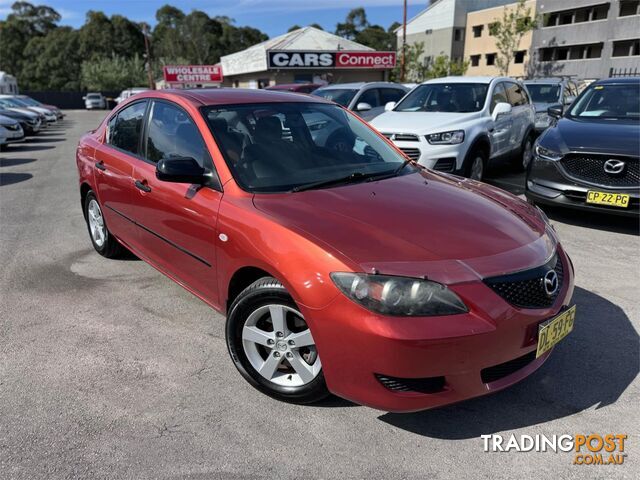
column 96, row 223
column 527, row 154
column 477, row 168
column 278, row 344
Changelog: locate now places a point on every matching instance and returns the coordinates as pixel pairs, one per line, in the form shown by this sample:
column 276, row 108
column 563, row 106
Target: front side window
column 611, row 102
column 172, row 133
column 391, row 95
column 544, row 92
column 371, row 97
column 515, row 94
column 124, row 129
column 445, row 97
column 499, row 96
column 278, row 147
column 341, row 96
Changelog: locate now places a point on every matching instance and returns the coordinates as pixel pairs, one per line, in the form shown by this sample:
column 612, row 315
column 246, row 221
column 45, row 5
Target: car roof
column 457, row 79
column 359, row 85
column 618, row 80
column 229, row 96
column 547, row 80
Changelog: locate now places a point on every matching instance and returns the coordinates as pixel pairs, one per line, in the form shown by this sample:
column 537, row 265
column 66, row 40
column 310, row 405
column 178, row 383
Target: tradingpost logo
column 591, row 449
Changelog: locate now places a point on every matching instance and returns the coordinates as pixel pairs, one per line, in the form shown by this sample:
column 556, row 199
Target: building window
column 426, row 61
column 475, row 60
column 490, row 58
column 428, row 31
column 626, row 48
column 577, row 15
column 629, row 7
column 458, row 34
column 572, row 52
column 477, row 30
column 519, row 56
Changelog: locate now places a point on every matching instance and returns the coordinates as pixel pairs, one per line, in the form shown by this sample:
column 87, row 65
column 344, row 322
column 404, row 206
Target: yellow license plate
column 611, row 199
column 554, row 330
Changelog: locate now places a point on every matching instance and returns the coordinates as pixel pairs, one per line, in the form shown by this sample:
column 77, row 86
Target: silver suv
column 458, row 124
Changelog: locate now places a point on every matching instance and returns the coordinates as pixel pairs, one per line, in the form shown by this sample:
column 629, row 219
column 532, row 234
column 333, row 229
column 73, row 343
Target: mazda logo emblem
column 550, row 282
column 614, row 166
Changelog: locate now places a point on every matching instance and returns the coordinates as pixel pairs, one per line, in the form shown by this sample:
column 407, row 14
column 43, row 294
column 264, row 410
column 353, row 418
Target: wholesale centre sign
column 323, row 59
column 192, row 73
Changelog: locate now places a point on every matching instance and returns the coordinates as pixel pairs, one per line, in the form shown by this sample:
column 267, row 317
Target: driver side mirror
column 555, row 111
column 181, row 170
column 389, row 106
column 501, row 108
column 363, row 107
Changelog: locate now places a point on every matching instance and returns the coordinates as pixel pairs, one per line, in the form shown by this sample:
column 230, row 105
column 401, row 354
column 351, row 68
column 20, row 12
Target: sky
column 273, row 17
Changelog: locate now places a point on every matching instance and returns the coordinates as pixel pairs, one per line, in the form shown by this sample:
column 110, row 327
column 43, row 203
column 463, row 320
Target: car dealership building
column 305, row 55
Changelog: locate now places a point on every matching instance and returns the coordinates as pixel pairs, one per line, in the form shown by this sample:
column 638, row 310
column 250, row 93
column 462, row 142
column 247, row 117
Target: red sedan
column 341, row 266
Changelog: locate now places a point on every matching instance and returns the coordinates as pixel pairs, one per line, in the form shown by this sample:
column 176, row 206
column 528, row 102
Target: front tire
column 271, row 345
column 475, row 165
column 101, row 239
column 526, row 154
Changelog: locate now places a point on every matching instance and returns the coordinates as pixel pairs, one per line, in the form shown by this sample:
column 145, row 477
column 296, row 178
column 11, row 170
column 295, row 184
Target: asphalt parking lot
column 110, row 370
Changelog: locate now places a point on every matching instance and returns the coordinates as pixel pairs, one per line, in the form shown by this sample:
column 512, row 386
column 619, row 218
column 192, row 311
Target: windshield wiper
column 351, row 178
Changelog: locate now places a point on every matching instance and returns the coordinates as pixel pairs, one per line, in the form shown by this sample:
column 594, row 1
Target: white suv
column 457, row 124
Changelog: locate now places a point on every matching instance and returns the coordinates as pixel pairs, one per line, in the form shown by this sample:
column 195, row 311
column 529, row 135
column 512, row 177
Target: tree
column 355, row 22
column 415, row 68
column 508, row 32
column 315, row 25
column 442, row 66
column 356, row 27
column 115, row 73
column 293, row 28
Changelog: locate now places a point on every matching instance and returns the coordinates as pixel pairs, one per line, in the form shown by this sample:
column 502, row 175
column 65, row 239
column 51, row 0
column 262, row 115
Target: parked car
column 459, row 124
column 35, row 103
column 366, row 99
column 10, row 132
column 12, row 104
column 94, row 100
column 129, row 93
column 30, row 122
column 589, row 158
column 13, row 101
column 355, row 272
column 295, row 87
column 545, row 92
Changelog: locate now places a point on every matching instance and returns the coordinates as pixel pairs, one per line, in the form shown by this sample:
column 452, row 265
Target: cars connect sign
column 338, row 59
column 192, row 73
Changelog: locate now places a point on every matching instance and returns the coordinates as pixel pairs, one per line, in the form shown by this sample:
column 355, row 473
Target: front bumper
column 546, row 184
column 361, row 350
column 443, row 158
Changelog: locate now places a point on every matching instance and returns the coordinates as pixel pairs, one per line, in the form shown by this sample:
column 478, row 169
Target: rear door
column 114, row 169
column 502, row 126
column 177, row 221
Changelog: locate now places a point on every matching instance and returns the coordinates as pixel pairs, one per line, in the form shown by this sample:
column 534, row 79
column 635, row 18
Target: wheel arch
column 85, row 188
column 483, row 142
column 241, row 279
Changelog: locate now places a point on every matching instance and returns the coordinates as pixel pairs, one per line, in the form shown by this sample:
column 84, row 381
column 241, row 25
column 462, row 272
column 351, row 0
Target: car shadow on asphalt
column 11, row 178
column 26, row 147
column 48, row 138
column 597, row 220
column 592, row 367
column 12, row 162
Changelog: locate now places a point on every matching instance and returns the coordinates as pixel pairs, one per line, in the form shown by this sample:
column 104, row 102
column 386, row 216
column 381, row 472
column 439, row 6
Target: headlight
column 399, row 296
column 446, row 138
column 547, row 154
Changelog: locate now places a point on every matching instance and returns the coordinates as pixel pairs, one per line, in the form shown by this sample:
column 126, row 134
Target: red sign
column 365, row 59
column 193, row 73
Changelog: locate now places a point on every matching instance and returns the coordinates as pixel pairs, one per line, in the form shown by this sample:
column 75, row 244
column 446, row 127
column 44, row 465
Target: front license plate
column 554, row 330
column 612, row 199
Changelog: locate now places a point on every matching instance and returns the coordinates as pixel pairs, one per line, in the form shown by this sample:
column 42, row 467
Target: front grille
column 590, row 168
column 419, row 385
column 402, row 137
column 412, row 153
column 526, row 289
column 445, row 164
column 497, row 372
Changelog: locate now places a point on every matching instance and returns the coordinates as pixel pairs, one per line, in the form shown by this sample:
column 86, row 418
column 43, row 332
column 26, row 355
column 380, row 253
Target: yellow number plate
column 554, row 330
column 611, row 199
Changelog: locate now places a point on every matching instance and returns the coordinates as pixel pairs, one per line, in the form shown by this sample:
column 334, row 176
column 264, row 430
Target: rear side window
column 391, row 95
column 123, row 131
column 499, row 96
column 515, row 94
column 172, row 133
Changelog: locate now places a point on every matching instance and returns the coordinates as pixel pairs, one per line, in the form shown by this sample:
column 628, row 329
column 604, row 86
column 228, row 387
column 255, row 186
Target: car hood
column 420, row 122
column 447, row 228
column 7, row 121
column 616, row 137
column 26, row 112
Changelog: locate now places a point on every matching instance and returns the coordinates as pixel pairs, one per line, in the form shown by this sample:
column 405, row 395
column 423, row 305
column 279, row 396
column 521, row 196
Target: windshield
column 621, row 101
column 279, row 147
column 544, row 93
column 29, row 101
column 342, row 96
column 10, row 103
column 445, row 97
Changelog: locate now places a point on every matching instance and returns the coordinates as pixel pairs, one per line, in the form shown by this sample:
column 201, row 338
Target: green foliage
column 417, row 71
column 443, row 66
column 293, row 28
column 508, row 32
column 356, row 27
column 114, row 73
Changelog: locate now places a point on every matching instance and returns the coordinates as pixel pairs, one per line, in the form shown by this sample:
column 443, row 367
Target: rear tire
column 271, row 344
column 101, row 239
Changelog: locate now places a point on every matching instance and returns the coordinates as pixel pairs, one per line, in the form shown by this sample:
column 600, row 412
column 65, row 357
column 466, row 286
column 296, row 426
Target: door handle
column 100, row 165
column 142, row 186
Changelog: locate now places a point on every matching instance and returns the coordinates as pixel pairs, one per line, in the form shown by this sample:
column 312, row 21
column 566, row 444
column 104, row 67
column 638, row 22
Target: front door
column 176, row 221
column 501, row 132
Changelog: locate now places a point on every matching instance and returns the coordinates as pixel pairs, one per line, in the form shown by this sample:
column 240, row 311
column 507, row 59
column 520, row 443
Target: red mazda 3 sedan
column 341, row 265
